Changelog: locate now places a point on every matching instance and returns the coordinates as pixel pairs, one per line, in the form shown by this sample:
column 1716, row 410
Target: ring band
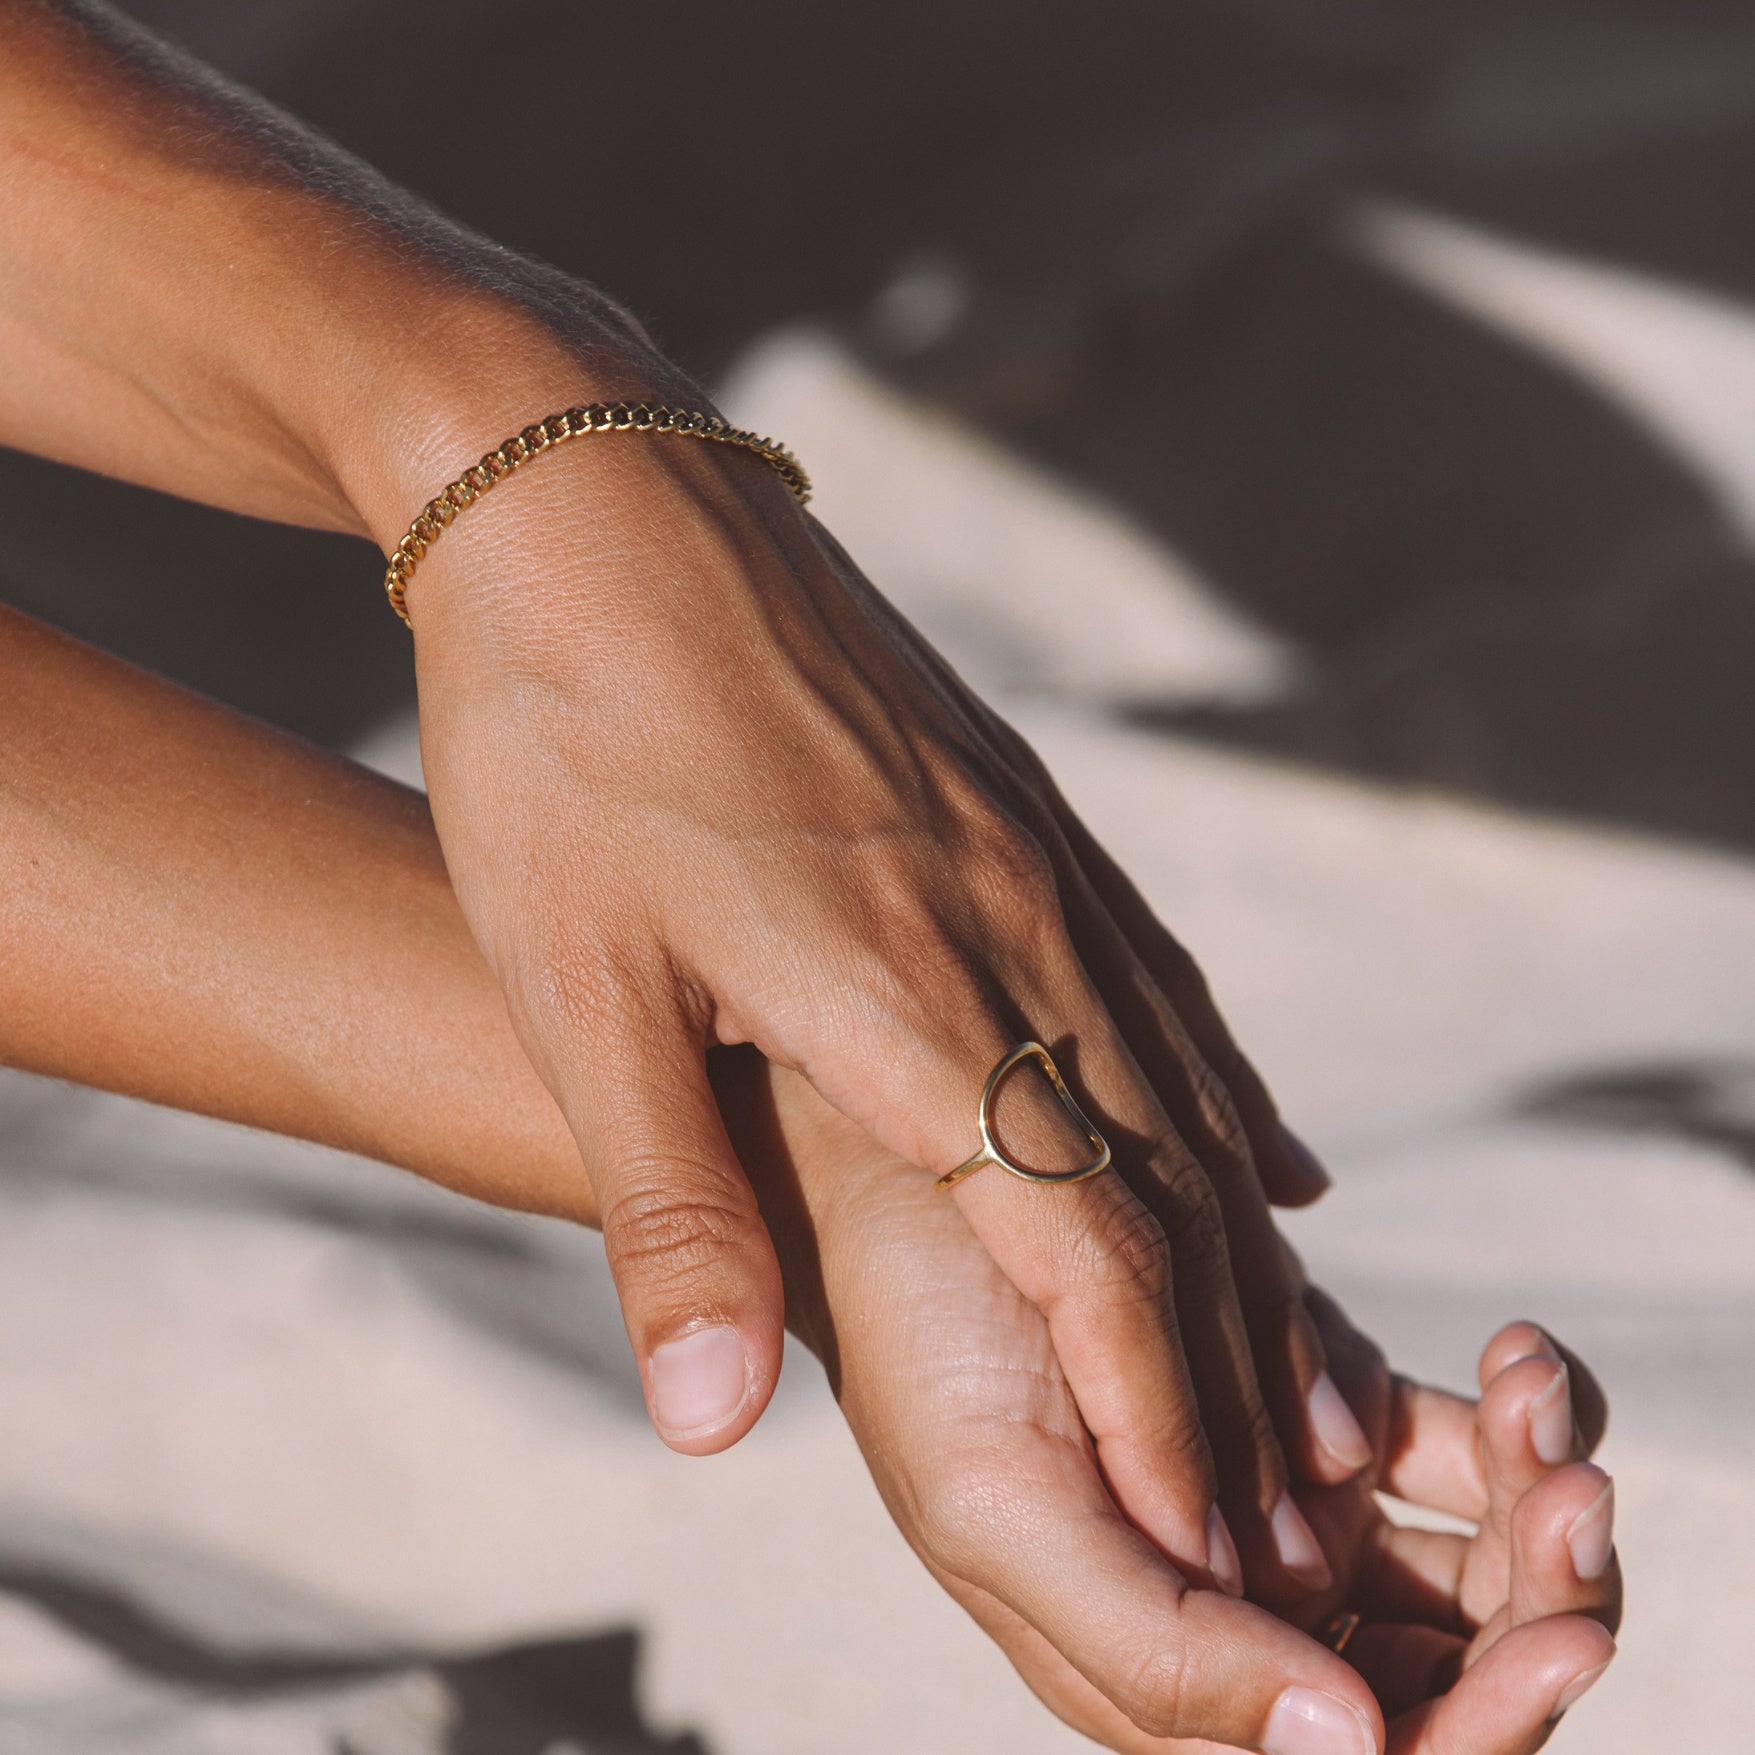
column 991, row 1154
column 1338, row 1629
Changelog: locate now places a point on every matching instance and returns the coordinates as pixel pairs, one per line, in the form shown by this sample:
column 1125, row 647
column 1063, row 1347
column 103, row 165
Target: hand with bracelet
column 696, row 783
column 195, row 910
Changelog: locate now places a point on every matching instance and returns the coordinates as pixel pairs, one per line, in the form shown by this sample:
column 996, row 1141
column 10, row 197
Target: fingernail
column 1592, row 1536
column 699, row 1381
column 1577, row 1688
column 1222, row 1561
column 1544, row 1347
column 1304, row 1722
column 1300, row 1552
column 1336, row 1430
column 1308, row 1165
column 1551, row 1420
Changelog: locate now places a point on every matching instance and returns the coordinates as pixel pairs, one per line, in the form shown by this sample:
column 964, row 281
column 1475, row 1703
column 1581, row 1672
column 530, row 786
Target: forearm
column 198, row 294
column 206, row 913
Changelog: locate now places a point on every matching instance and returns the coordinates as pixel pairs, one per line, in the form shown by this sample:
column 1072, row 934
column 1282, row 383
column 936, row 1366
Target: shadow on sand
column 1499, row 584
column 1708, row 1103
column 577, row 1694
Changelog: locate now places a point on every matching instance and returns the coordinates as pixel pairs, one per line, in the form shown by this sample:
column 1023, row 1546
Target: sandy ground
column 260, row 1398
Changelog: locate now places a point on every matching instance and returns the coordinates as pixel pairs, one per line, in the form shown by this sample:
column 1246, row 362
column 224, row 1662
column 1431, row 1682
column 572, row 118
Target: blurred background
column 1328, row 428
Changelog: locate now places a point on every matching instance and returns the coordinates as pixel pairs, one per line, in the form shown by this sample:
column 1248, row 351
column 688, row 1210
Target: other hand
column 696, row 783
column 950, row 1381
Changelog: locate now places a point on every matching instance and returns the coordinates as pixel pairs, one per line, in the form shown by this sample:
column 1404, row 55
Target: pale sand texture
column 290, row 1401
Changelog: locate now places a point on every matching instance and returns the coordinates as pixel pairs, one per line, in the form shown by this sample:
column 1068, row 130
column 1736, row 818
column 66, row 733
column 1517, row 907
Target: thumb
column 693, row 1263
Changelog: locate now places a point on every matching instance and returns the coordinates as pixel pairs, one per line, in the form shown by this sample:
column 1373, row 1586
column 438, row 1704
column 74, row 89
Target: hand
column 270, row 967
column 949, row 1380
column 1472, row 1645
column 696, row 783
column 1475, row 1643
column 951, row 1383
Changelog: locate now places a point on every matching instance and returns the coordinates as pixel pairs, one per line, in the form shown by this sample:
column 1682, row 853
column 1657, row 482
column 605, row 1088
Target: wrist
column 455, row 369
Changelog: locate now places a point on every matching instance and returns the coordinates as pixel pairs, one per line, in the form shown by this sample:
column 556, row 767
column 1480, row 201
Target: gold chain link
column 596, row 417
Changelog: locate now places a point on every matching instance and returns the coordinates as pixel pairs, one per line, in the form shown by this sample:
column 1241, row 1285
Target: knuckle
column 944, row 1534
column 1128, row 1254
column 1018, row 753
column 1186, row 980
column 1220, row 1115
column 1013, row 860
column 1006, row 846
column 1278, row 1320
column 1225, row 1076
column 1253, row 1454
column 1249, row 1090
column 1181, row 1441
column 953, row 1518
column 656, row 1237
column 1149, row 1687
column 568, row 986
column 1196, row 1216
column 1032, row 781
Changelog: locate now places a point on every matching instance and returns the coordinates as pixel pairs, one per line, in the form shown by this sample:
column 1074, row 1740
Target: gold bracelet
column 576, row 423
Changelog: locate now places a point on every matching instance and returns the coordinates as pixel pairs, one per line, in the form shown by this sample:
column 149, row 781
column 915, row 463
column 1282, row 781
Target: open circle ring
column 990, row 1152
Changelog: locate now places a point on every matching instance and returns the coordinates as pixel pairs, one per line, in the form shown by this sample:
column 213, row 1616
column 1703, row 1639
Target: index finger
column 1506, row 1704
column 1150, row 1661
column 1097, row 1264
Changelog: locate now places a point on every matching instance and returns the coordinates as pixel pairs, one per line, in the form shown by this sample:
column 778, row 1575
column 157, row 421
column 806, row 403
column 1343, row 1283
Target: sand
column 292, row 1441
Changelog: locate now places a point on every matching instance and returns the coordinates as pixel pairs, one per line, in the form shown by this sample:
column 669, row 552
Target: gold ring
column 1338, row 1629
column 991, row 1154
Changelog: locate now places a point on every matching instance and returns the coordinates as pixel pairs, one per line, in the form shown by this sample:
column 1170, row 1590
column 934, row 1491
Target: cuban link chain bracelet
column 577, row 423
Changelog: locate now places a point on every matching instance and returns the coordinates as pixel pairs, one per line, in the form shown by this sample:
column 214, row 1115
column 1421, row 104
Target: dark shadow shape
column 1134, row 204
column 1031, row 138
column 1619, row 130
column 518, row 1278
column 519, row 1700
column 746, row 1098
column 434, row 1219
column 1709, row 1103
column 1500, row 584
column 1632, row 705
column 1341, row 453
column 290, row 625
